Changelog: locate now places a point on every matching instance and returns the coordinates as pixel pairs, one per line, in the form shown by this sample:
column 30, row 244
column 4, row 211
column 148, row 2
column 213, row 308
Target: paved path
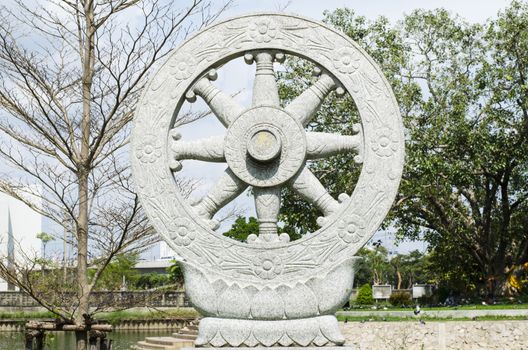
column 452, row 335
column 438, row 313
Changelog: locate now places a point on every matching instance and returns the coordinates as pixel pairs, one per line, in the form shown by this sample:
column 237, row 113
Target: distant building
column 19, row 226
column 165, row 251
column 159, row 267
column 159, row 251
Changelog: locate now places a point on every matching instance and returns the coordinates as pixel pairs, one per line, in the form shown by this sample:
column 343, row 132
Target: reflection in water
column 122, row 340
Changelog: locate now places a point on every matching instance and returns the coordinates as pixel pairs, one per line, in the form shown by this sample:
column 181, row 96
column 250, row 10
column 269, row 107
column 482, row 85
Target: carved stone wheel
column 266, row 147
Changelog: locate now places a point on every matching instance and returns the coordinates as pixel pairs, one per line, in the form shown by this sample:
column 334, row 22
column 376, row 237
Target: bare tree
column 71, row 72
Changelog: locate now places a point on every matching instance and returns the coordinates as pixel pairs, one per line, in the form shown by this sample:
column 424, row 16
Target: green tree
column 411, row 268
column 374, row 268
column 363, row 274
column 462, row 92
column 45, row 238
column 120, row 273
column 364, row 296
column 175, row 273
column 465, row 184
column 241, row 229
column 152, row 280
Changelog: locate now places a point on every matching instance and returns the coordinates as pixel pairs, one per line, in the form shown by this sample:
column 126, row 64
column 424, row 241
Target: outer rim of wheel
column 376, row 186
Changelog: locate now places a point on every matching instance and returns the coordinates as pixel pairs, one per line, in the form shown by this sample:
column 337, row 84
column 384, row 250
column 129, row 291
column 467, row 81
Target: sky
column 237, row 77
column 472, row 10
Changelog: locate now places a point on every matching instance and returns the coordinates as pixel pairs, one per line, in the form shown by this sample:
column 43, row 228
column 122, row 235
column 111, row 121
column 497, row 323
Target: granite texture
column 283, row 348
column 314, row 331
column 266, row 146
column 460, row 335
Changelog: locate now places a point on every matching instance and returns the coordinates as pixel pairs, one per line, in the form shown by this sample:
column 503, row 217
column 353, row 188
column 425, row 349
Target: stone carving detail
column 263, row 30
column 347, row 60
column 268, row 266
column 184, row 68
column 351, row 230
column 182, row 231
column 268, row 280
column 150, row 150
column 281, row 139
column 300, row 298
column 385, row 144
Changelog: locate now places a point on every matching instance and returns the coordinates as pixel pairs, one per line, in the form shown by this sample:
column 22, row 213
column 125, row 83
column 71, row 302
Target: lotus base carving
column 314, row 331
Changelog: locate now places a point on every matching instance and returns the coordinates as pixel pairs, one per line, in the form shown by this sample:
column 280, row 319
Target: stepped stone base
column 279, row 348
column 184, row 338
column 321, row 331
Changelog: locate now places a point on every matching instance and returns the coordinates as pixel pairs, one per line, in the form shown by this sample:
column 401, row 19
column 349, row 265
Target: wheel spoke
column 308, row 186
column 267, row 205
column 322, row 144
column 265, row 91
column 223, row 106
column 227, row 188
column 306, row 104
column 210, row 149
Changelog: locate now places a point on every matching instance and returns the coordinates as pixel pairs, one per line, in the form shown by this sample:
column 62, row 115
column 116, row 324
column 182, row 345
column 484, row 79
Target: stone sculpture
column 268, row 291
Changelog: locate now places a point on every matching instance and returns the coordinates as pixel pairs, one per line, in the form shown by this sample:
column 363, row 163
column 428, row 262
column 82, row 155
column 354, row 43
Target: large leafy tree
column 462, row 91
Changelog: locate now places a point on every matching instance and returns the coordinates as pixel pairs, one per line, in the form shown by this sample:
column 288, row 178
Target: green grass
column 112, row 317
column 25, row 315
column 481, row 307
column 117, row 316
column 440, row 308
column 426, row 318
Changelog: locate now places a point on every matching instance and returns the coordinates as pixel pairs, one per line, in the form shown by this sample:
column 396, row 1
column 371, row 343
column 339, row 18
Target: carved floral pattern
column 263, row 30
column 347, row 60
column 351, row 230
column 183, row 67
column 182, row 231
column 385, row 143
column 149, row 150
column 268, row 266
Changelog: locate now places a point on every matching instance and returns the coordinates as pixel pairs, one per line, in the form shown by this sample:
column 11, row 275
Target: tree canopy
column 462, row 92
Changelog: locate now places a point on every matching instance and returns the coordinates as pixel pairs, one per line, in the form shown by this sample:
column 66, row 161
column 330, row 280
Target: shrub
column 151, row 280
column 400, row 299
column 364, row 296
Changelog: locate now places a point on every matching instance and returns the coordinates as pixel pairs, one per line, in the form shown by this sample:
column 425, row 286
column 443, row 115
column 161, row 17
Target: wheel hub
column 265, row 146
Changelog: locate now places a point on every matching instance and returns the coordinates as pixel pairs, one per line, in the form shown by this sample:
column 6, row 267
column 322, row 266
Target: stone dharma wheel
column 243, row 289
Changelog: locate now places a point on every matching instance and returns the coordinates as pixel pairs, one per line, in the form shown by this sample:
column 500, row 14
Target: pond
column 122, row 340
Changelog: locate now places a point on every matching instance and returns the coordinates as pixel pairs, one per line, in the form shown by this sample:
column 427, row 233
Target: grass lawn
column 439, row 308
column 24, row 315
column 426, row 318
column 116, row 316
column 111, row 317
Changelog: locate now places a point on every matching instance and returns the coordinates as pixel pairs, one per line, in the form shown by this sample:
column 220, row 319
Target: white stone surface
column 460, row 335
column 267, row 279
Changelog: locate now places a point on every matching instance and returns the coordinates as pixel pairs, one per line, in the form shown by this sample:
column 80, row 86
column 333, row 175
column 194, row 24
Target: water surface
column 122, row 340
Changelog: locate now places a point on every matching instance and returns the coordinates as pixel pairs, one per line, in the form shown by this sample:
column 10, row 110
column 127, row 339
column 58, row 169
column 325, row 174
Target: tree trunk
column 83, row 168
column 399, row 276
column 82, row 261
column 497, row 285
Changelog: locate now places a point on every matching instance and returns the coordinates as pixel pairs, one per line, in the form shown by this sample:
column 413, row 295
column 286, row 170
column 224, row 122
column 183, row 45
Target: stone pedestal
column 314, row 331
